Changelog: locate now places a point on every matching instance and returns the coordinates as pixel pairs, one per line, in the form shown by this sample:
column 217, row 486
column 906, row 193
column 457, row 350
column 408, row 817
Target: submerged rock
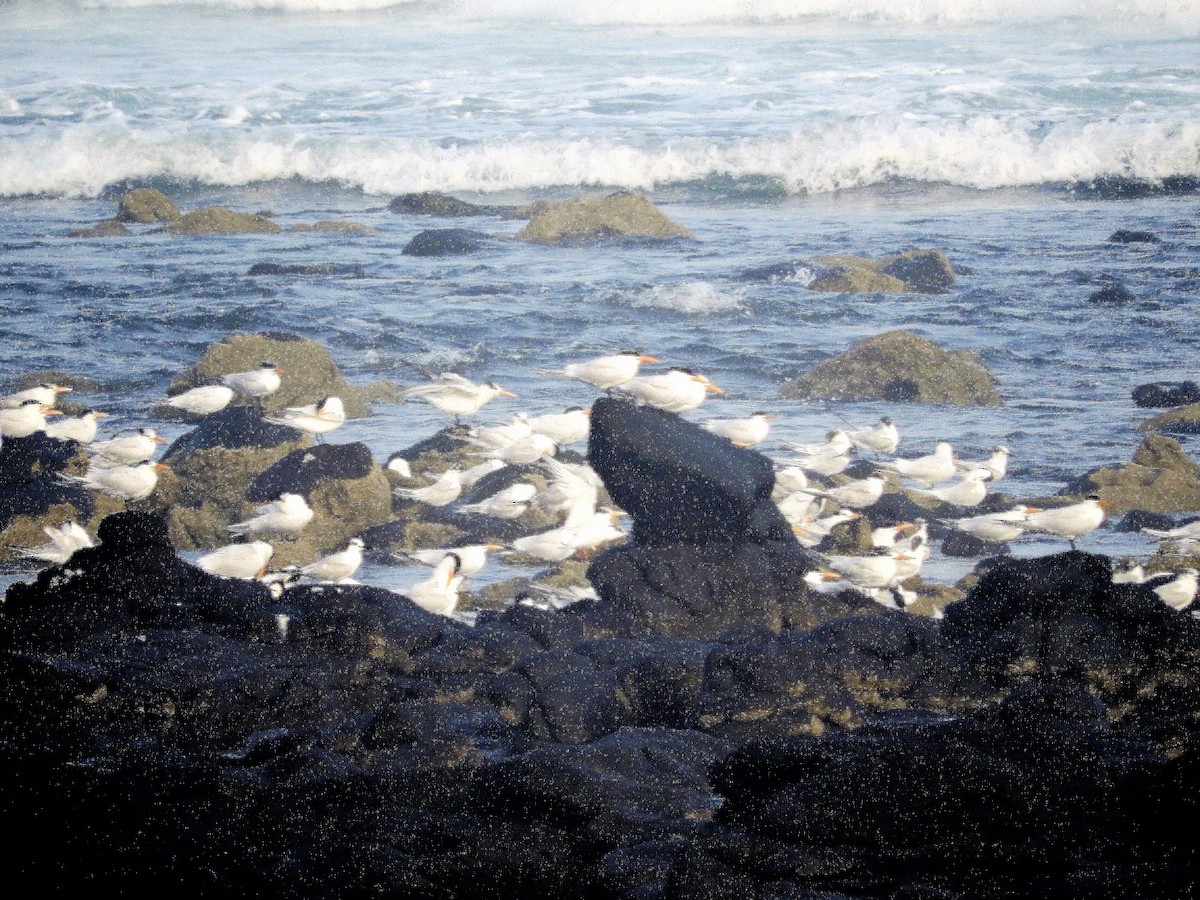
column 1160, row 394
column 1114, row 293
column 433, row 203
column 349, row 270
column 335, row 226
column 924, row 271
column 218, row 220
column 1132, row 236
column 107, row 228
column 447, row 242
column 589, row 219
column 889, row 365
column 308, row 371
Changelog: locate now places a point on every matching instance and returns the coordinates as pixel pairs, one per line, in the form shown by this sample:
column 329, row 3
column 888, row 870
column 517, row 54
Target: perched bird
column 879, row 438
column 527, row 450
column 1176, row 589
column 810, row 532
column 204, row 400
column 1186, row 532
column 799, row 507
column 604, row 372
column 336, row 566
column 316, row 418
column 890, row 535
column 439, row 592
column 456, row 395
column 471, row 557
column 496, row 436
column 248, row 560
column 509, row 503
column 125, row 450
column 25, row 419
column 677, row 390
column 969, row 490
column 997, row 463
column 584, row 530
column 1071, row 521
column 446, row 489
column 927, row 470
column 257, row 383
column 124, row 482
column 46, row 394
column 788, row 479
column 827, row 464
column 287, row 515
column 743, row 432
column 837, row 443
column 997, row 527
column 855, row 494
column 568, row 488
column 64, row 541
column 75, row 428
column 563, row 428
column 1128, row 571
column 400, row 466
column 877, row 570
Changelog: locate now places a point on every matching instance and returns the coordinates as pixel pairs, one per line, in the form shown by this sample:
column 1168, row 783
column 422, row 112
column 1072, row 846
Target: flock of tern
column 806, row 491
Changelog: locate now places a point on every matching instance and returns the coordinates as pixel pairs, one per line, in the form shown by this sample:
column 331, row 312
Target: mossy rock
column 105, row 229
column 334, row 226
column 896, row 366
column 146, row 206
column 1161, row 478
column 1182, row 420
column 219, row 220
column 309, row 372
column 599, row 218
column 26, row 531
column 433, row 203
column 921, row 271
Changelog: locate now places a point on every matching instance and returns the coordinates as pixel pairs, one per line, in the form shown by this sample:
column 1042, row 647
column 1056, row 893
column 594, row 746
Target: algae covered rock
column 335, row 226
column 308, row 371
column 433, row 203
column 107, row 228
column 1183, row 420
column 899, row 365
column 219, row 220
column 1161, row 478
column 146, row 206
column 588, row 219
column 922, row 271
column 446, row 242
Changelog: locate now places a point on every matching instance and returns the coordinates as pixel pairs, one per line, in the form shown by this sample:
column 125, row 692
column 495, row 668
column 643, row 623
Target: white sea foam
column 692, row 297
column 1125, row 14
column 82, row 159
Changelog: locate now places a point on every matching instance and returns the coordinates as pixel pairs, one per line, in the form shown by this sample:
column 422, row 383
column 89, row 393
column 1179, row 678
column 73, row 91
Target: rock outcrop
column 219, row 220
column 309, row 372
column 146, row 206
column 899, row 366
column 620, row 216
column 923, row 271
column 1161, row 478
column 447, row 242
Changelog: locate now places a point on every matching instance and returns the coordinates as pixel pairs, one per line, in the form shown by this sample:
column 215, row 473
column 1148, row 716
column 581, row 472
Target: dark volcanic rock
column 1115, row 293
column 302, row 470
column 447, row 242
column 1130, row 236
column 432, row 203
column 1160, row 394
column 348, row 270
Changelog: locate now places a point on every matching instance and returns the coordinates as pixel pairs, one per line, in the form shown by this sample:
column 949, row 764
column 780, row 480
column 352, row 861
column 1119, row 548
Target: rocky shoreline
column 707, row 728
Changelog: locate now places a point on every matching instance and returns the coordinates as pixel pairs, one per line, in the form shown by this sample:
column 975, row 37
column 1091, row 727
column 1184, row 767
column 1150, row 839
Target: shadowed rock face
column 690, row 735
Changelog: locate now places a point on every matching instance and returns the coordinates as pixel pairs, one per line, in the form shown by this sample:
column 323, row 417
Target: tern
column 787, row 480
column 604, row 372
column 336, row 566
column 997, row 527
column 743, row 432
column 456, row 395
column 527, row 450
column 997, row 463
column 929, row 469
column 64, row 541
column 125, row 450
column 256, row 383
column 810, row 532
column 1128, row 571
column 799, row 507
column 836, row 443
column 316, row 419
column 248, row 560
column 855, row 494
column 471, row 557
column 1177, row 590
column 879, row 438
column 45, row 394
column 287, row 515
column 969, row 490
column 1187, row 532
column 563, row 428
column 496, row 436
column 677, row 390
column 439, row 592
column 1071, row 521
column 468, row 477
column 446, row 489
column 875, row 571
column 567, row 488
column 125, row 482
column 26, row 419
column 204, row 400
column 509, row 503
column 75, row 428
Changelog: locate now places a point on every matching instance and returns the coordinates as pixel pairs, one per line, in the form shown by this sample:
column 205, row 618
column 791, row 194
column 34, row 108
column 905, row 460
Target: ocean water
column 776, row 131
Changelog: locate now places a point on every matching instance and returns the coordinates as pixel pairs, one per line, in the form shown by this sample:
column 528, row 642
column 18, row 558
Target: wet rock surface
column 896, row 366
column 1161, row 477
column 706, row 728
column 620, row 216
column 447, row 242
column 1160, row 394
